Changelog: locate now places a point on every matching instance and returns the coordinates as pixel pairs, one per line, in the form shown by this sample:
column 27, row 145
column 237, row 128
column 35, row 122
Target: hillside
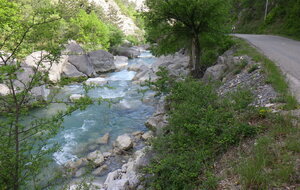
column 283, row 17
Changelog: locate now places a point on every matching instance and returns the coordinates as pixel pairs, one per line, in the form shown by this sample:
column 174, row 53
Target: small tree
column 23, row 151
column 174, row 24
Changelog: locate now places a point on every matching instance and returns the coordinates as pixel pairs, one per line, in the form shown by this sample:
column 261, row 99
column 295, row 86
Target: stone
column 4, row 90
column 96, row 81
column 129, row 52
column 103, row 140
column 107, row 154
column 40, row 92
column 70, row 70
column 120, row 62
column 77, row 164
column 137, row 133
column 80, row 172
column 41, row 61
column 215, row 72
column 96, row 158
column 124, row 142
column 100, row 170
column 79, row 59
column 75, row 97
column 137, row 67
column 148, row 135
column 102, row 61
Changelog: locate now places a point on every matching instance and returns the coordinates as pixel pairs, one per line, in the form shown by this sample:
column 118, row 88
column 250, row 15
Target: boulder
column 148, row 135
column 102, row 61
column 100, row 170
column 129, row 52
column 42, row 61
column 96, row 81
column 123, row 142
column 75, row 97
column 40, row 92
column 4, row 90
column 79, row 59
column 215, row 72
column 96, row 158
column 120, row 62
column 80, row 172
column 70, row 70
column 103, row 140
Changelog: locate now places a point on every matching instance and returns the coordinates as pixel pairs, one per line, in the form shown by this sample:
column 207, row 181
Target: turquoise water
column 127, row 114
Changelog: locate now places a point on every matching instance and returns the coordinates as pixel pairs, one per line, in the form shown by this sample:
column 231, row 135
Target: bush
column 116, row 36
column 201, row 126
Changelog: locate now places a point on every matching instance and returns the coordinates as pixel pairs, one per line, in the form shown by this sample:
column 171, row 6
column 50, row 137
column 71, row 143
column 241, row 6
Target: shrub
column 201, row 126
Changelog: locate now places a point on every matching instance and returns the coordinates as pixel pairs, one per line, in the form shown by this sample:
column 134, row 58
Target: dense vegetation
column 176, row 24
column 201, row 126
column 283, row 17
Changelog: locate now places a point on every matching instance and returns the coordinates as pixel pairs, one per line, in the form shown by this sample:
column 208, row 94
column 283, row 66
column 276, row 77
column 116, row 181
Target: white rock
column 74, row 97
column 96, row 81
column 4, row 90
column 100, row 170
column 124, row 142
column 148, row 135
column 96, row 157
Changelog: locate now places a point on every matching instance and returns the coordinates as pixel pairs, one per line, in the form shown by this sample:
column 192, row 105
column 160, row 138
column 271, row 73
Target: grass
column 274, row 75
column 273, row 159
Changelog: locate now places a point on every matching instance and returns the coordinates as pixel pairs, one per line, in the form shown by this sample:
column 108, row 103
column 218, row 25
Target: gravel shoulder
column 284, row 52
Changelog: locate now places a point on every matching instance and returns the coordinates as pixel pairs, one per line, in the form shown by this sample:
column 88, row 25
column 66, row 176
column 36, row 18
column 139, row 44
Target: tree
column 23, row 30
column 174, row 24
column 91, row 30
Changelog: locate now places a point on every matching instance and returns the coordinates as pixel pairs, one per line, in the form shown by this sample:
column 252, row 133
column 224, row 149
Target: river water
column 128, row 113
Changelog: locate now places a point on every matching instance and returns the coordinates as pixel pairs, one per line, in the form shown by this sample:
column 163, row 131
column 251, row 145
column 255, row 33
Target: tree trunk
column 197, row 69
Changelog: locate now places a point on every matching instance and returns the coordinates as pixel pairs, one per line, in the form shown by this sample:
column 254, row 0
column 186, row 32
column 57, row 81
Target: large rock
column 4, row 90
column 43, row 62
column 100, row 170
column 127, row 177
column 123, row 142
column 70, row 70
column 129, row 52
column 215, row 72
column 102, row 61
column 79, row 59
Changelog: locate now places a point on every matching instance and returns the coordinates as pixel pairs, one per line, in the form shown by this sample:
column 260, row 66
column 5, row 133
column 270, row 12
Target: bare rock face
column 102, row 61
column 123, row 142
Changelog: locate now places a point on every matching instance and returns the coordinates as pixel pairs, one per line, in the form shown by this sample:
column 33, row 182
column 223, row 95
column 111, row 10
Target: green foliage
column 116, row 36
column 177, row 24
column 91, row 31
column 201, row 126
column 282, row 18
column 28, row 26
